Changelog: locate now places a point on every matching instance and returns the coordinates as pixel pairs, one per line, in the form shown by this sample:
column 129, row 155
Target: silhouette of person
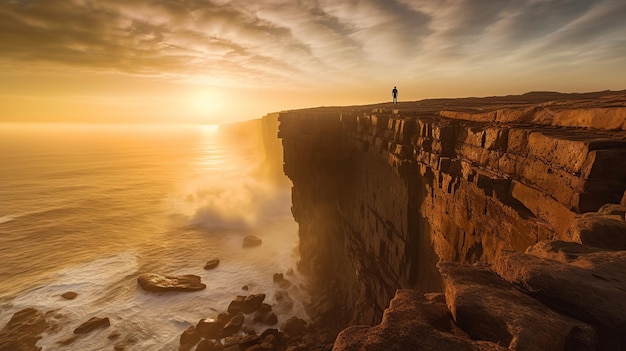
column 394, row 94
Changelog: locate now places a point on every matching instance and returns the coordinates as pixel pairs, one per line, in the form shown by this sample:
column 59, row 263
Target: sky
column 201, row 61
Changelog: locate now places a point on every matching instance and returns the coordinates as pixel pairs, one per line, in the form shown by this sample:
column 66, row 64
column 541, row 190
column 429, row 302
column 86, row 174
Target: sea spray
column 161, row 202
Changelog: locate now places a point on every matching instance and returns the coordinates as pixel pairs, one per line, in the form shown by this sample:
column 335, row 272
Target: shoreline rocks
column 235, row 331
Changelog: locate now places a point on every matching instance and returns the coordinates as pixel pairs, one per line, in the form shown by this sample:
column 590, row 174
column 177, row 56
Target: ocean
column 88, row 208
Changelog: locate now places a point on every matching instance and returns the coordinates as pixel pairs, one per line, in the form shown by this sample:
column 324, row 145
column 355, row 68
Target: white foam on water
column 8, row 218
column 88, row 280
column 91, row 281
column 107, row 287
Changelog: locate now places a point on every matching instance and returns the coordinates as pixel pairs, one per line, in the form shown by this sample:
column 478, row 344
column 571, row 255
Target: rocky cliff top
column 513, row 208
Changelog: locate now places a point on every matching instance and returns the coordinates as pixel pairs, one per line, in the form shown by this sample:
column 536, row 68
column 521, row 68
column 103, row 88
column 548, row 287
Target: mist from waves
column 88, row 208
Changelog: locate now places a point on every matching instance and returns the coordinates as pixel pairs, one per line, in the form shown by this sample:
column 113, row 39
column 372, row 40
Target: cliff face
column 382, row 195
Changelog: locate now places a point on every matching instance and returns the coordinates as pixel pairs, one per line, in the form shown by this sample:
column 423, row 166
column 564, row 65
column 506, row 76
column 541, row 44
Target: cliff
column 511, row 208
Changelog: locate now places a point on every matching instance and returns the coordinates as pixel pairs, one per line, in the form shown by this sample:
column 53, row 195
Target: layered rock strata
column 382, row 195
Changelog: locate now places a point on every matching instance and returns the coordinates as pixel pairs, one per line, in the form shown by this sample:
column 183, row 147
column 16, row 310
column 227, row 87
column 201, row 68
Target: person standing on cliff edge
column 394, row 94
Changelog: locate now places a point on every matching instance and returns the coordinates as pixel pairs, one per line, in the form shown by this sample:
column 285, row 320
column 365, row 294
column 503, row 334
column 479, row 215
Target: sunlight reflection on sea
column 89, row 208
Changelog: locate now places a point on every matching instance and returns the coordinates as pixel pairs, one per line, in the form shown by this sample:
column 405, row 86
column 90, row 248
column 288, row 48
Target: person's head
column 394, row 87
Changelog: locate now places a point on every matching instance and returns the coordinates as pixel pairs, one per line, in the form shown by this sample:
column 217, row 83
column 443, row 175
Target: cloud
column 283, row 43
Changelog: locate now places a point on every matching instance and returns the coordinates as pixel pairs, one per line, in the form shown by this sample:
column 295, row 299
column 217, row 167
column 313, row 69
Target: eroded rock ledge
column 531, row 187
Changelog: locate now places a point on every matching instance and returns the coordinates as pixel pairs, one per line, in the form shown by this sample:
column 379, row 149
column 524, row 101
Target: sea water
column 88, row 208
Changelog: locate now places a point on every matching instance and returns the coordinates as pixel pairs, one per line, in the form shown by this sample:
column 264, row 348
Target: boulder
column 92, row 324
column 489, row 308
column 160, row 283
column 265, row 308
column 233, row 325
column 209, row 328
column 248, row 341
column 267, row 332
column 224, row 317
column 606, row 266
column 211, row 264
column 563, row 251
column 272, row 339
column 591, row 287
column 285, row 283
column 265, row 317
column 232, row 342
column 278, row 277
column 70, row 295
column 248, row 329
column 285, row 302
column 617, row 210
column 236, row 305
column 413, row 321
column 252, row 303
column 603, row 231
column 251, row 241
column 189, row 338
column 294, row 326
column 23, row 330
column 209, row 345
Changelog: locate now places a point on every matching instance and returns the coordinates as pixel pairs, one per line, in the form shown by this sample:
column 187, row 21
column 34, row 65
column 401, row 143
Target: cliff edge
column 501, row 220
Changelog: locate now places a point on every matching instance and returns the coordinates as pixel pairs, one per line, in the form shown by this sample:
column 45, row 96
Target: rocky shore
column 234, row 329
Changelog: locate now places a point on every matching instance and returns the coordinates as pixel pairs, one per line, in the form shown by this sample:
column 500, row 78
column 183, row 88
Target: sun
column 210, row 128
column 206, row 103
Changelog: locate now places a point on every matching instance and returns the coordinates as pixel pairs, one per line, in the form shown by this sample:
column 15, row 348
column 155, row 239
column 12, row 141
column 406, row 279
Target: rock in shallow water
column 189, row 338
column 70, row 295
column 294, row 326
column 209, row 345
column 278, row 277
column 236, row 304
column 23, row 331
column 266, row 317
column 159, row 283
column 209, row 328
column 92, row 324
column 252, row 303
column 211, row 264
column 234, row 325
column 251, row 240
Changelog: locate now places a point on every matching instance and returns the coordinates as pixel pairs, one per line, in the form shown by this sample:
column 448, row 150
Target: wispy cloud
column 280, row 42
